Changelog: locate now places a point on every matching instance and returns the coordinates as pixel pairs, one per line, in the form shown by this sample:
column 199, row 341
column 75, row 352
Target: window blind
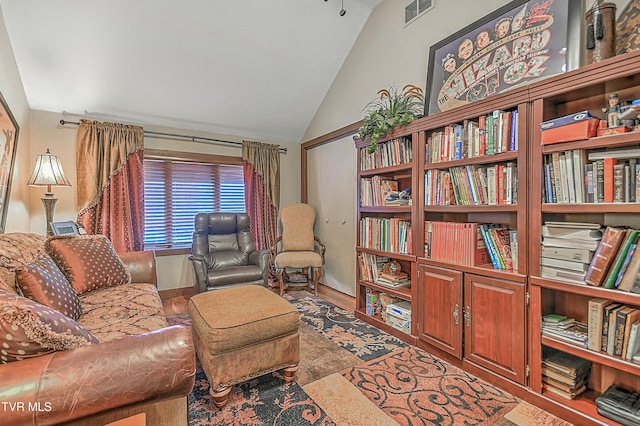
column 175, row 191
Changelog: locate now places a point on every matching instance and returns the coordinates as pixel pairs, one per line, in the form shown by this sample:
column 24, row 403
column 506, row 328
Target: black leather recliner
column 223, row 253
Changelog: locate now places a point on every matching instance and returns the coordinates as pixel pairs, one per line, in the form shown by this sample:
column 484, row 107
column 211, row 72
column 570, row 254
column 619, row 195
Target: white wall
column 13, row 93
column 173, row 271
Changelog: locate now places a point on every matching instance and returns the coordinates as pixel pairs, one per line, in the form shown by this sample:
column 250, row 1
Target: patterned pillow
column 29, row 329
column 43, row 282
column 88, row 261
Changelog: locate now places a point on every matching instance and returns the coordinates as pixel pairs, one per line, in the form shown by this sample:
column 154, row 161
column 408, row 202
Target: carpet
column 352, row 373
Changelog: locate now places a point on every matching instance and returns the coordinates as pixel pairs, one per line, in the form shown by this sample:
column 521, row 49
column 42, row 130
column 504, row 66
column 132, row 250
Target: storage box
column 567, row 119
column 400, row 309
column 401, row 324
column 571, row 132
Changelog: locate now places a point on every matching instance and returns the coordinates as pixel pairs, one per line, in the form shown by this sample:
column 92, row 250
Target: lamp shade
column 48, row 172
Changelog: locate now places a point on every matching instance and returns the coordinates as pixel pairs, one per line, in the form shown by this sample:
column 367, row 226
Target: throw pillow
column 88, row 261
column 43, row 282
column 29, row 329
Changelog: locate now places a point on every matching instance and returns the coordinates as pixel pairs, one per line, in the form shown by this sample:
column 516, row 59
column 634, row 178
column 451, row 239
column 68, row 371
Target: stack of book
column 616, row 263
column 564, row 374
column 399, row 279
column 568, row 250
column 568, row 330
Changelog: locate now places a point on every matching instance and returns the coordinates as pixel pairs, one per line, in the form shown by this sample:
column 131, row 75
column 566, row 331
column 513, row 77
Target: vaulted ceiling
column 253, row 68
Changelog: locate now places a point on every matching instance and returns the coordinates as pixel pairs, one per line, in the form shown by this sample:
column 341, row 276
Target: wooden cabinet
column 441, row 309
column 495, row 325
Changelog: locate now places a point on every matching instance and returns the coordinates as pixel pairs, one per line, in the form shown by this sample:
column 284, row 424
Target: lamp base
column 49, row 205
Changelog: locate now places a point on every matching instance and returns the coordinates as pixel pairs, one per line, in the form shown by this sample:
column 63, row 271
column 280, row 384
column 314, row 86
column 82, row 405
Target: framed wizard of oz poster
column 519, row 43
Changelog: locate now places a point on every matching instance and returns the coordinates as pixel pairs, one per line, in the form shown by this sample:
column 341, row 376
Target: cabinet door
column 440, row 308
column 494, row 325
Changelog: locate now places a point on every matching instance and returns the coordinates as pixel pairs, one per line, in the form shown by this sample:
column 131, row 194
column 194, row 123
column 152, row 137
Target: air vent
column 416, row 8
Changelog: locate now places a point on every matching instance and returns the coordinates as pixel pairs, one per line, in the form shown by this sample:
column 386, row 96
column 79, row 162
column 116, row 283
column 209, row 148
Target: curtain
column 261, row 164
column 110, row 188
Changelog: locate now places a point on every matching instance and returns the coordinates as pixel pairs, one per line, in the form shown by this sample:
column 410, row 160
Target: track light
column 342, row 11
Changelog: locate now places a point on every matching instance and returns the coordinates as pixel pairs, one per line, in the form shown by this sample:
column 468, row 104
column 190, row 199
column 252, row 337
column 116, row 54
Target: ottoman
column 243, row 332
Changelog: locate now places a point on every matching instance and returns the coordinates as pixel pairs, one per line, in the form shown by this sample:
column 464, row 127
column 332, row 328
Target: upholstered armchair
column 298, row 247
column 223, row 253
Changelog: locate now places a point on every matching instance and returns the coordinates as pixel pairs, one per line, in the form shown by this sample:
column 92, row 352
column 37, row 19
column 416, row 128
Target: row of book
column 613, row 329
column 568, row 330
column 472, row 185
column 371, row 269
column 488, row 135
column 564, row 374
column 390, row 153
column 471, row 244
column 375, row 190
column 616, row 262
column 601, row 177
column 567, row 250
column 390, row 234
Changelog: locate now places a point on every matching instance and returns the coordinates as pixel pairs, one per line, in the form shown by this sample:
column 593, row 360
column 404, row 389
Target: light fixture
column 48, row 172
column 342, row 11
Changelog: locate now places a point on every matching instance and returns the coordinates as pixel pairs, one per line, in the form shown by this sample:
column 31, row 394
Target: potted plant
column 393, row 107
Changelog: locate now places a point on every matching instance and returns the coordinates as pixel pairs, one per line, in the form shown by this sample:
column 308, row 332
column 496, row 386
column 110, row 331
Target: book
column 594, row 322
column 562, row 253
column 604, row 255
column 619, row 404
column 566, row 364
column 630, row 274
column 631, row 318
column 631, row 236
column 564, row 120
column 622, row 316
column 633, row 346
column 567, row 395
column 572, row 277
column 606, row 317
column 571, row 233
column 608, row 166
column 564, row 264
column 568, row 243
column 613, row 323
column 625, row 264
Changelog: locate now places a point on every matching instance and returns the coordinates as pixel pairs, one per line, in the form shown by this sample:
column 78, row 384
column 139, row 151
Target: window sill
column 169, row 251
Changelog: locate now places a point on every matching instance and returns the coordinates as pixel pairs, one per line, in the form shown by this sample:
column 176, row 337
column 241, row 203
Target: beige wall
column 13, row 93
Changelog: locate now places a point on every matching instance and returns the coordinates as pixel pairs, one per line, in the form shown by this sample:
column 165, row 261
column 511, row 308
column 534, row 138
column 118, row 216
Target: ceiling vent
column 416, row 8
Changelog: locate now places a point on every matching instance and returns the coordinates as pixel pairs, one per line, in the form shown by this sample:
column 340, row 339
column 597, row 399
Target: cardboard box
column 571, row 132
column 401, row 324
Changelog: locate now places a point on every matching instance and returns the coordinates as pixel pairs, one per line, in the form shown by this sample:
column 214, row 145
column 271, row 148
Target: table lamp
column 48, row 172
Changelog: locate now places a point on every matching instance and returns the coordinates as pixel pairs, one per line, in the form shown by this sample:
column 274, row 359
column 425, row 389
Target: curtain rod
column 175, row 135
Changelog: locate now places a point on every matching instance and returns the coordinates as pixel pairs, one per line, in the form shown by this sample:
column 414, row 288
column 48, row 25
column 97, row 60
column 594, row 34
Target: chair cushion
column 237, row 317
column 29, row 329
column 225, row 259
column 298, row 259
column 43, row 282
column 297, row 227
column 233, row 275
column 88, row 261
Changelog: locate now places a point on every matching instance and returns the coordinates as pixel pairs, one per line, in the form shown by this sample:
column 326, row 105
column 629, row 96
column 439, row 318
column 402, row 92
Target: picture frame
column 8, row 148
column 64, row 228
column 521, row 42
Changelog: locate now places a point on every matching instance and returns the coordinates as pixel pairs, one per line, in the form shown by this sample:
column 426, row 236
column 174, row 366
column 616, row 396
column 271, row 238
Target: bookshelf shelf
column 611, row 141
column 399, row 256
column 597, row 208
column 485, row 270
column 485, row 159
column 402, row 292
column 473, row 208
column 400, row 169
column 385, row 209
column 587, row 290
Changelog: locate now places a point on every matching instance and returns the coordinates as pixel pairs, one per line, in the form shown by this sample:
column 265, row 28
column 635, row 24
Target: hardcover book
column 630, row 238
column 604, row 255
column 594, row 322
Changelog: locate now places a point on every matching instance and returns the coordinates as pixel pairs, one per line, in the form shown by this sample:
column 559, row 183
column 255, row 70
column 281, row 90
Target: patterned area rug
column 352, row 373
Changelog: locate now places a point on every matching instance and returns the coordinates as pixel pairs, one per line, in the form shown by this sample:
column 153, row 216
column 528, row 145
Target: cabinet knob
column 455, row 314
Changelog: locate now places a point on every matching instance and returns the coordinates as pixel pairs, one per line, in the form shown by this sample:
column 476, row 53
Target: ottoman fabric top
column 232, row 318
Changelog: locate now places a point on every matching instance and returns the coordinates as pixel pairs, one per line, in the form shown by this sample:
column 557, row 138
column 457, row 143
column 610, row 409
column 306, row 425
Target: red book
column 608, row 179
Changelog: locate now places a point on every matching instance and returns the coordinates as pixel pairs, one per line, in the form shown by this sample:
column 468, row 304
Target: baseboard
column 176, row 292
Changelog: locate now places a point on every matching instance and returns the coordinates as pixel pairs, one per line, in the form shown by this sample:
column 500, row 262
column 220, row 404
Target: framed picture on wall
column 8, row 144
column 519, row 43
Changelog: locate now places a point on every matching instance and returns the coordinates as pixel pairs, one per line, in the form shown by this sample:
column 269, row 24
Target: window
column 416, row 8
column 178, row 186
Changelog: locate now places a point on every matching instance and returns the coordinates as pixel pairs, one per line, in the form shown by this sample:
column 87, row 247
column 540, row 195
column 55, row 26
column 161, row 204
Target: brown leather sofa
column 223, row 253
column 139, row 365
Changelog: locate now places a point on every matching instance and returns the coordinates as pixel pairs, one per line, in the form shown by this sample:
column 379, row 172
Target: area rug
column 352, row 373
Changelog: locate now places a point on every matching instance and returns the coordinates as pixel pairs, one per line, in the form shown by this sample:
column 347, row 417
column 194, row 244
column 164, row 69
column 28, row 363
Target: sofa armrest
column 200, row 273
column 69, row 385
column 142, row 266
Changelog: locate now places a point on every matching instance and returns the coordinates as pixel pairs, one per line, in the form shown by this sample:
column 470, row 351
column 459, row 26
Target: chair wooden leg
column 220, row 395
column 316, row 280
column 280, row 276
